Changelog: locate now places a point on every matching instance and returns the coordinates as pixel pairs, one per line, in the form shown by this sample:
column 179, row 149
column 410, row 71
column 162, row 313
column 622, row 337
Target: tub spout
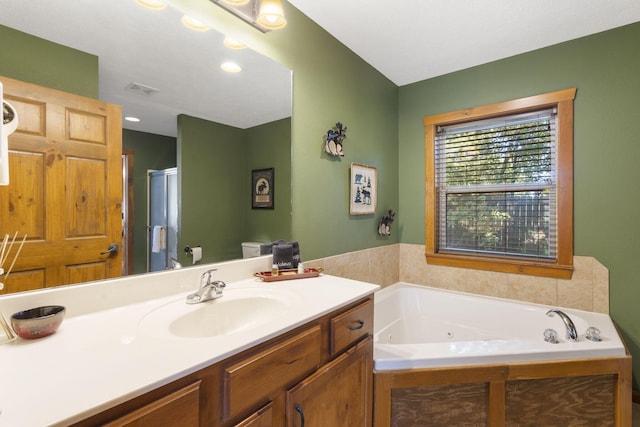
column 572, row 333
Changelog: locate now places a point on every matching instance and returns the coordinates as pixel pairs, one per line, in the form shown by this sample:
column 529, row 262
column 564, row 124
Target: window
column 500, row 186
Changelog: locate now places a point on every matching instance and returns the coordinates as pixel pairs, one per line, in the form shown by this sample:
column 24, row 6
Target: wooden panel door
column 65, row 190
column 339, row 394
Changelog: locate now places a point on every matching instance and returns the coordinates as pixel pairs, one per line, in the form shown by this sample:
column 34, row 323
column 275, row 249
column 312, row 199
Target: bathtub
column 420, row 327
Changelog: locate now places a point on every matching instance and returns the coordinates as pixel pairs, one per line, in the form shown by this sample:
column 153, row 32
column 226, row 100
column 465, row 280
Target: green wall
column 29, row 58
column 269, row 146
column 211, row 179
column 151, row 152
column 332, row 84
column 214, row 179
column 605, row 68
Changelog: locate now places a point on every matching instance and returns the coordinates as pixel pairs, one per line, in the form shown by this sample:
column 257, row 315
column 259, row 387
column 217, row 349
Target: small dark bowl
column 37, row 322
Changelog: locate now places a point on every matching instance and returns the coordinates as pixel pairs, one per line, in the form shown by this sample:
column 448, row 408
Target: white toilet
column 250, row 249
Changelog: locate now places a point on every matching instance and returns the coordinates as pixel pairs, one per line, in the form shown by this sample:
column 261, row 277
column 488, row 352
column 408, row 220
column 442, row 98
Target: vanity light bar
column 265, row 15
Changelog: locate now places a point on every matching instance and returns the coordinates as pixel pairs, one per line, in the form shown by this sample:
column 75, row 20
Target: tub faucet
column 208, row 289
column 572, row 333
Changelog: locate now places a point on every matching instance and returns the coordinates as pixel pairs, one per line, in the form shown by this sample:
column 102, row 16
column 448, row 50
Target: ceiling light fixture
column 271, row 14
column 193, row 23
column 152, row 4
column 132, row 119
column 231, row 67
column 265, row 15
column 232, row 43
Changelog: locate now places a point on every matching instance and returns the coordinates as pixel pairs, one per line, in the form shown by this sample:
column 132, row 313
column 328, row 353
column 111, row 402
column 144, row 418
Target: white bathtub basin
column 421, row 327
column 236, row 311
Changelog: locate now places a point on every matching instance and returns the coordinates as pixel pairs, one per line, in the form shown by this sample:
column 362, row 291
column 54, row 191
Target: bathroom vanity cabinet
column 318, row 374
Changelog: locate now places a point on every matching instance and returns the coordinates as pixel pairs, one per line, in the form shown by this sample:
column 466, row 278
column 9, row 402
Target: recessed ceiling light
column 231, row 67
column 132, row 119
column 232, row 43
column 193, row 24
column 236, row 2
column 152, row 4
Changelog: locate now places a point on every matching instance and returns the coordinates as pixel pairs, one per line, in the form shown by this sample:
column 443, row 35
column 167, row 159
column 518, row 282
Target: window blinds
column 496, row 186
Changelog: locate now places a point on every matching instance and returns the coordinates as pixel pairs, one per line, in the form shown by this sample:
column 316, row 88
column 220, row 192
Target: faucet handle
column 218, row 286
column 593, row 334
column 205, row 279
column 551, row 336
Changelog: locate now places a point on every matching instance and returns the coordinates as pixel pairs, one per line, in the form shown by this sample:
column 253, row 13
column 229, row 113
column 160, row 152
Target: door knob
column 111, row 250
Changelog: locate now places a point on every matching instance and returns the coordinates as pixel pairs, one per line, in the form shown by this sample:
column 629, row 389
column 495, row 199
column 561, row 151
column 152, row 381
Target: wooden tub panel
column 561, row 401
column 448, row 405
column 553, row 393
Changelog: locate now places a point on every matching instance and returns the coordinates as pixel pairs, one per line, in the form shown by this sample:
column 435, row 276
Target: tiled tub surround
column 587, row 290
column 101, row 355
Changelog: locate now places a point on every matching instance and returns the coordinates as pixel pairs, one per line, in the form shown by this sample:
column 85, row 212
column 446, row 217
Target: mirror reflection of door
column 162, row 243
column 128, row 225
column 65, row 190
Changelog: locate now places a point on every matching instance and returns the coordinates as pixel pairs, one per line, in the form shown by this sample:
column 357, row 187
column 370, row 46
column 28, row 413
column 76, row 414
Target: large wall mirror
column 213, row 126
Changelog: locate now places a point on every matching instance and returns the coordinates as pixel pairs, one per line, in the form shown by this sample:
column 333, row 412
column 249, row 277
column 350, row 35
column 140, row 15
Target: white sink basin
column 236, row 311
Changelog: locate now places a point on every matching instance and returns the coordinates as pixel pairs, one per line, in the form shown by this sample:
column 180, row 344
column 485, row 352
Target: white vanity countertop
column 100, row 359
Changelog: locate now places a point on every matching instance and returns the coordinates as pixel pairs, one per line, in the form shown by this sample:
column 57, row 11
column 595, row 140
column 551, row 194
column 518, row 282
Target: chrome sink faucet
column 572, row 333
column 208, row 289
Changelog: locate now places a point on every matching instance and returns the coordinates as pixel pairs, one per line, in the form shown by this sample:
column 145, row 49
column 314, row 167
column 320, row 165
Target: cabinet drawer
column 179, row 408
column 253, row 379
column 350, row 326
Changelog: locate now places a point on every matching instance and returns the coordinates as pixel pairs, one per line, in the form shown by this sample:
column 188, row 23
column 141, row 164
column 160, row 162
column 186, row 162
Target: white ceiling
column 153, row 48
column 413, row 40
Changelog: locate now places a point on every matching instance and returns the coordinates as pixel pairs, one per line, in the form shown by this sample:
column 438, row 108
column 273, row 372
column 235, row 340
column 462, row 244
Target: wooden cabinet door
column 65, row 190
column 261, row 418
column 339, row 394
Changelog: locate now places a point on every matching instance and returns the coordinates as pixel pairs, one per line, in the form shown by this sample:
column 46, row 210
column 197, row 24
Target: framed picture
column 262, row 188
column 364, row 189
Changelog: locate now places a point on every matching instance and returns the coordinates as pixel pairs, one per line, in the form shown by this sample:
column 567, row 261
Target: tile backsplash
column 587, row 290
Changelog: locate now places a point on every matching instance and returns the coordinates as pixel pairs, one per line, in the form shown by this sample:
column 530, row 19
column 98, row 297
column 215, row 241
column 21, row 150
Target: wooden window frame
column 562, row 267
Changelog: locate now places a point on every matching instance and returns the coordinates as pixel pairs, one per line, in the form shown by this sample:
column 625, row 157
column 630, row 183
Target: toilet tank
column 250, row 249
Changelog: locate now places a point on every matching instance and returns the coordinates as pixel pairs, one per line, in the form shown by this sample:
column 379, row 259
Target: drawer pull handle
column 359, row 325
column 299, row 410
